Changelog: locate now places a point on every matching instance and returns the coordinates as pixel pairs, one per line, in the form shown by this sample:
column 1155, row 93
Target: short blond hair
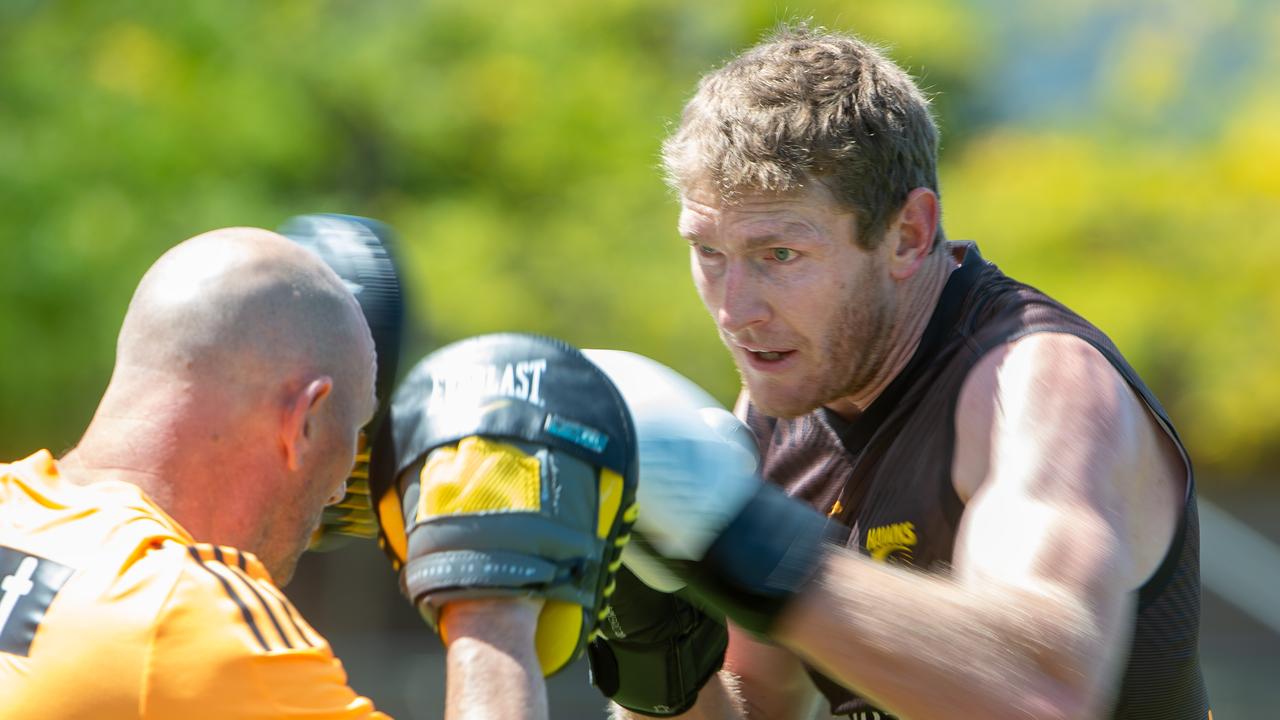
column 808, row 103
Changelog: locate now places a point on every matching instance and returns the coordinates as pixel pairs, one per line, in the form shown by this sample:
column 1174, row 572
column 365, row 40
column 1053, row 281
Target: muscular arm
column 1035, row 619
column 492, row 667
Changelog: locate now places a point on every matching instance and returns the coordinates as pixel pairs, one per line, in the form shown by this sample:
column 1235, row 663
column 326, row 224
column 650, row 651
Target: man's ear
column 300, row 418
column 915, row 226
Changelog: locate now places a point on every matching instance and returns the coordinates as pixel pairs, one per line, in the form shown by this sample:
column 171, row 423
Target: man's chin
column 286, row 567
column 284, row 573
column 776, row 403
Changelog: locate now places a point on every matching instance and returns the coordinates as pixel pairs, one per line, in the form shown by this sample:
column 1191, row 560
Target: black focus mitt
column 359, row 250
column 508, row 468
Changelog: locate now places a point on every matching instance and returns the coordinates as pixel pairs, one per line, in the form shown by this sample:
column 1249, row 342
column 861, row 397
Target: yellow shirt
column 109, row 609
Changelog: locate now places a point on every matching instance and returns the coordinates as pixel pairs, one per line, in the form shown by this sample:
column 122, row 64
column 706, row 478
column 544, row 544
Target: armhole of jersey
column 1155, row 585
column 953, row 506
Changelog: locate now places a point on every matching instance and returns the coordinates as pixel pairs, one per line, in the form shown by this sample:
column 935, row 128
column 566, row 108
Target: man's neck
column 154, row 449
column 906, row 330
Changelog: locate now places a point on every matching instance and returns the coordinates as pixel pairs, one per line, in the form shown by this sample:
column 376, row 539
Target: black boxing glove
column 654, row 651
column 708, row 520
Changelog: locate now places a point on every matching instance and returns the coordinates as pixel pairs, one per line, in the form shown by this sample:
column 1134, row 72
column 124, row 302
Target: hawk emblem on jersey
column 893, row 541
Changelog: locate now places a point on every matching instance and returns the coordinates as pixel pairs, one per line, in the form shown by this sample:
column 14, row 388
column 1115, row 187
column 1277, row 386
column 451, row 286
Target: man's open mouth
column 768, row 355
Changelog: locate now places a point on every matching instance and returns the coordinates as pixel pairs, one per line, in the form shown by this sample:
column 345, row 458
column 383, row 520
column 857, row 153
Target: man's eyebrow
column 759, row 242
column 687, row 230
column 792, row 233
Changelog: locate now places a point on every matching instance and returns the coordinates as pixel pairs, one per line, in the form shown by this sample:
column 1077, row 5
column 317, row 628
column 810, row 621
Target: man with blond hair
column 1013, row 515
column 141, row 571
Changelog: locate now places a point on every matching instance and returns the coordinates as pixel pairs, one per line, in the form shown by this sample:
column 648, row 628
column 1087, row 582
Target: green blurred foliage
column 515, row 148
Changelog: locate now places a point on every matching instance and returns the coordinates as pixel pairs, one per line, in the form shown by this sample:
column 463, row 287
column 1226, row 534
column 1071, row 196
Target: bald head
column 244, row 372
column 239, row 307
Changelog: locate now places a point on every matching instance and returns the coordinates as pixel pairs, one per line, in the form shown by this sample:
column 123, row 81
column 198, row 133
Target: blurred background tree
column 1121, row 157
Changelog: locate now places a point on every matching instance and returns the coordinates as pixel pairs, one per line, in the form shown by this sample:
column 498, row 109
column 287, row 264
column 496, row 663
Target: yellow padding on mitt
column 477, row 476
column 559, row 625
column 391, row 516
column 610, row 500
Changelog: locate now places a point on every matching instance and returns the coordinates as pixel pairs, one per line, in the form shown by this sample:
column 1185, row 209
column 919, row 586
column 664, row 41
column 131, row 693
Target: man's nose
column 742, row 302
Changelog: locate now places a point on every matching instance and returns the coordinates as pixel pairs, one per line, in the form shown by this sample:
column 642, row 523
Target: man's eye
column 783, row 254
column 706, row 250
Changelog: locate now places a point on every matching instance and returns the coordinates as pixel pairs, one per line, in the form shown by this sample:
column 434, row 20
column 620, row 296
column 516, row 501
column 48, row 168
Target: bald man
column 139, row 573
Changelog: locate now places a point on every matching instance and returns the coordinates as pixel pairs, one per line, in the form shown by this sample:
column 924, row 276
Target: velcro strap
column 469, row 569
column 762, row 559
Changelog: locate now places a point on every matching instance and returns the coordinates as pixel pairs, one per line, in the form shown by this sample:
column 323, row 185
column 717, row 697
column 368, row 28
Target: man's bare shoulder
column 1050, row 410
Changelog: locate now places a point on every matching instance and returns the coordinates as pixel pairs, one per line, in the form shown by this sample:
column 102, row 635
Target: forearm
column 492, row 666
column 925, row 647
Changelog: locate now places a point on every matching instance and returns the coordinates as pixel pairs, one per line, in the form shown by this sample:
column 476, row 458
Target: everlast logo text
column 885, row 541
column 519, row 380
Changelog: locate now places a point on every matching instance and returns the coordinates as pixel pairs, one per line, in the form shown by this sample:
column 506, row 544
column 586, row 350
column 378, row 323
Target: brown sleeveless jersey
column 886, row 476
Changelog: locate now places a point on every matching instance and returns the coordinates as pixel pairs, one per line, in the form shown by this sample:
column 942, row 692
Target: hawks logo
column 892, row 541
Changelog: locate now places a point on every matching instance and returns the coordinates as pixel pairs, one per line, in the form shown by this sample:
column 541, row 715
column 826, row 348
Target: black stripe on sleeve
column 289, row 613
column 217, row 553
column 254, row 587
column 244, row 609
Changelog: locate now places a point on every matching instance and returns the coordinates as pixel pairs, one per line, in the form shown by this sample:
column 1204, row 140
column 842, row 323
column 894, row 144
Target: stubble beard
column 858, row 350
column 852, row 355
column 301, row 529
column 301, row 541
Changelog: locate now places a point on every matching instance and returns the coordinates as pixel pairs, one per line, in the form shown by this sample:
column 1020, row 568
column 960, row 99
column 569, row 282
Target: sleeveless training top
column 886, row 476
